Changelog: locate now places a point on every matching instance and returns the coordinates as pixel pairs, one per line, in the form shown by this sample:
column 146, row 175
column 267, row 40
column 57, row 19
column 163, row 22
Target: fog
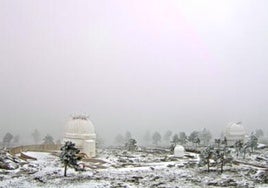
column 133, row 65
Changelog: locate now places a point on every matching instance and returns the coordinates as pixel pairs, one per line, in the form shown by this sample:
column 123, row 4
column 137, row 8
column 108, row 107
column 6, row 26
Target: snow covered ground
column 125, row 169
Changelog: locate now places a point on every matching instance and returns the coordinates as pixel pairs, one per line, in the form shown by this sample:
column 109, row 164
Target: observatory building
column 80, row 130
column 179, row 151
column 234, row 132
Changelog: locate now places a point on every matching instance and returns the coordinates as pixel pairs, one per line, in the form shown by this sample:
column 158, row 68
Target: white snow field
column 117, row 168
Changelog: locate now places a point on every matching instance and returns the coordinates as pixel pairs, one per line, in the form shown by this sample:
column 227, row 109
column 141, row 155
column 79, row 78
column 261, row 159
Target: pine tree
column 147, row 138
column 127, row 137
column 183, row 138
column 253, row 142
column 7, row 139
column 222, row 156
column 131, row 145
column 167, row 136
column 194, row 137
column 119, row 139
column 36, row 136
column 69, row 156
column 48, row 139
column 205, row 136
column 156, row 138
column 205, row 157
column 175, row 139
column 238, row 147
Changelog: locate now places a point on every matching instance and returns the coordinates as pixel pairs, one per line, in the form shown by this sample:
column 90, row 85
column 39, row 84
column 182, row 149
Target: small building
column 80, row 130
column 234, row 132
column 179, row 151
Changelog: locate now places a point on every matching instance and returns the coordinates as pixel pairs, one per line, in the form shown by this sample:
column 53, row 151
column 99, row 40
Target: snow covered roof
column 179, row 151
column 79, row 124
column 235, row 129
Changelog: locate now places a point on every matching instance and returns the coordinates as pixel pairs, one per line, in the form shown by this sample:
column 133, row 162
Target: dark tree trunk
column 65, row 169
column 208, row 164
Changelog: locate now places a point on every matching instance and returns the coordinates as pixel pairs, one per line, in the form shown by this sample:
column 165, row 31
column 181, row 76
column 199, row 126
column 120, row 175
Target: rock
column 135, row 179
column 170, row 165
column 155, row 178
column 9, row 162
column 8, row 165
column 261, row 176
column 228, row 183
column 39, row 179
column 158, row 184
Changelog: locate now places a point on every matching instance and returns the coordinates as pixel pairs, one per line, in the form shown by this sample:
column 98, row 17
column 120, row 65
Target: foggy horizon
column 133, row 66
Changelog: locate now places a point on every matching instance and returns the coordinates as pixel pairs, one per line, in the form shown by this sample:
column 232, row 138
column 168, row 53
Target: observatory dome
column 179, row 151
column 234, row 132
column 80, row 127
column 80, row 130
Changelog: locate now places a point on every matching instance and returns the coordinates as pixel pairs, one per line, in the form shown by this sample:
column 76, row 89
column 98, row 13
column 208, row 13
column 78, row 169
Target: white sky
column 133, row 65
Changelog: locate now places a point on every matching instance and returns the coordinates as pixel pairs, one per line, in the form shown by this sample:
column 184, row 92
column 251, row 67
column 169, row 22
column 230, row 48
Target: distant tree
column 167, row 136
column 147, row 137
column 259, row 133
column 58, row 142
column 250, row 145
column 16, row 139
column 224, row 141
column 205, row 136
column 183, row 138
column 194, row 137
column 127, row 136
column 69, row 156
column 175, row 139
column 196, row 141
column 99, row 141
column 238, row 147
column 156, row 138
column 217, row 141
column 119, row 139
column 36, row 136
column 48, row 139
column 7, row 139
column 245, row 150
column 131, row 145
column 253, row 142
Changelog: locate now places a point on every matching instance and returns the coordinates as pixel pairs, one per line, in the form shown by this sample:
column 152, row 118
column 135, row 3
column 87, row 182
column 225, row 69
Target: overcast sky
column 133, row 65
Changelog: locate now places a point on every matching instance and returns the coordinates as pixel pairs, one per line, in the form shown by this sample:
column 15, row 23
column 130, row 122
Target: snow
column 117, row 168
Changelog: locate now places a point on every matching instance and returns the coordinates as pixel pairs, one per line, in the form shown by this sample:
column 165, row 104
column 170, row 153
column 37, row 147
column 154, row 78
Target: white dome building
column 179, row 151
column 80, row 130
column 234, row 132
